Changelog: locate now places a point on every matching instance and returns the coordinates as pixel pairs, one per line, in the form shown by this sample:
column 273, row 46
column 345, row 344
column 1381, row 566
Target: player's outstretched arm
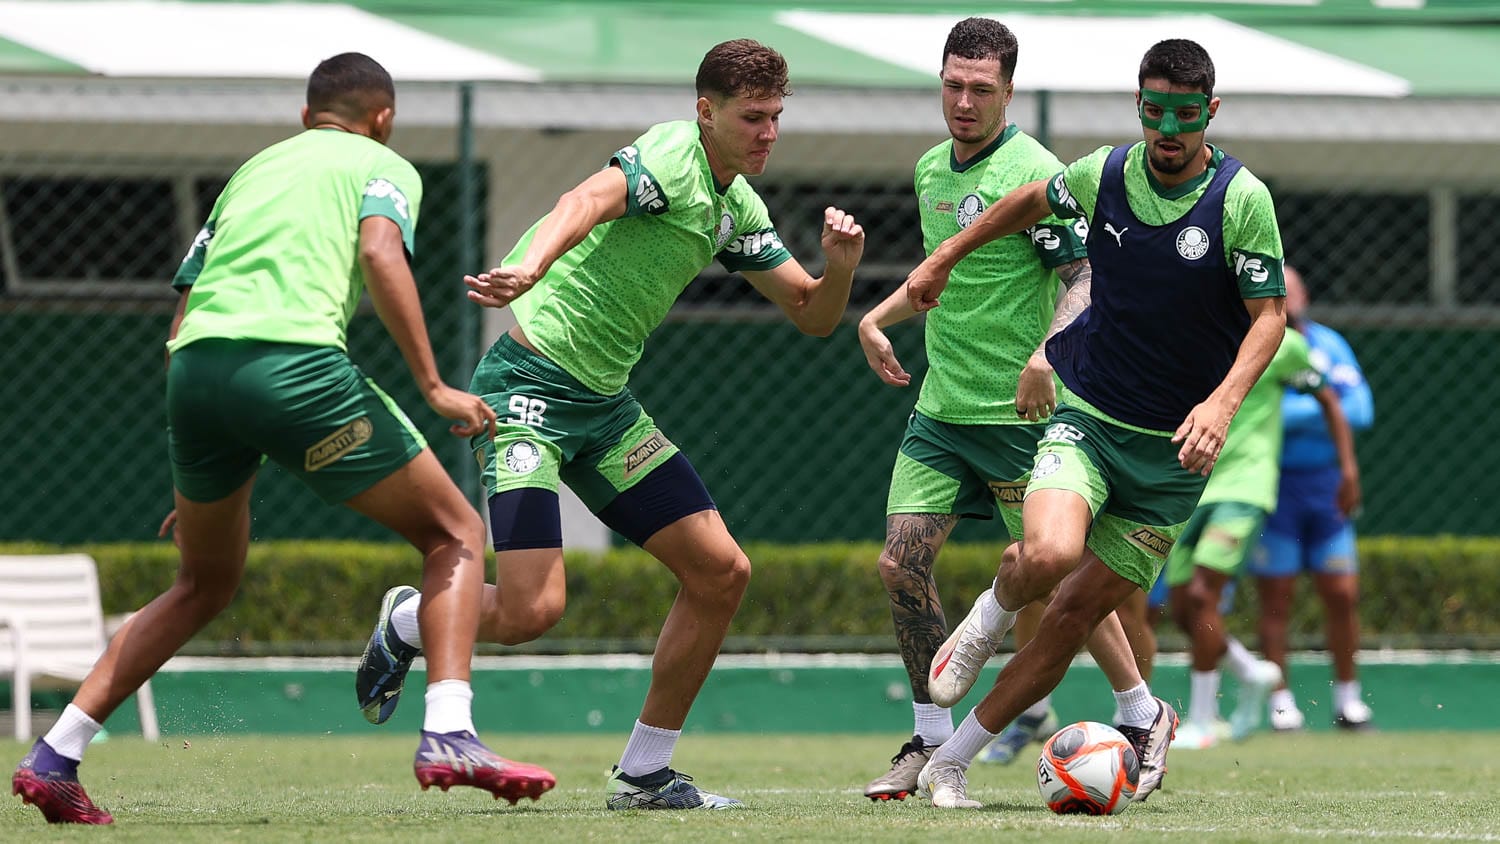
column 1202, row 432
column 879, row 353
column 1022, row 207
column 1349, row 494
column 382, row 257
column 815, row 305
column 1036, row 394
column 597, row 199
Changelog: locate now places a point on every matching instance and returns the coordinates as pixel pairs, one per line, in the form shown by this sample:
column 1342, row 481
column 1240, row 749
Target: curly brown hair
column 743, row 68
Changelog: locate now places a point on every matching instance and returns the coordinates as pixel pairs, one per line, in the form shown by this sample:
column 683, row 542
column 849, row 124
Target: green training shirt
column 1252, row 240
column 1249, row 466
column 1000, row 299
column 592, row 311
column 278, row 258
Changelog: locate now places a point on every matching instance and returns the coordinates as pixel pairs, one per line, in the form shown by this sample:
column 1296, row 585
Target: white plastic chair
column 52, row 630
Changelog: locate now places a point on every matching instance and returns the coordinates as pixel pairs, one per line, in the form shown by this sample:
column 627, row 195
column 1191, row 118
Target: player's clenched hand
column 925, row 284
column 500, row 286
column 843, row 239
column 470, row 414
column 1036, row 395
column 1202, row 435
column 880, row 355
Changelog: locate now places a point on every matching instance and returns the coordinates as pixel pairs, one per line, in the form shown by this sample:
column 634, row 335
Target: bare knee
column 1036, row 572
column 519, row 625
column 205, row 596
column 1340, row 595
column 719, row 579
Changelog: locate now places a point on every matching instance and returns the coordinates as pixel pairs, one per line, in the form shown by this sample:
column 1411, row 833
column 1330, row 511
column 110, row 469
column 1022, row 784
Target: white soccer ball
column 1088, row 768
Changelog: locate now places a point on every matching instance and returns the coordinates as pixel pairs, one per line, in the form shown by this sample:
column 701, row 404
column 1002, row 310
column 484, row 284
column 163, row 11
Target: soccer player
column 1311, row 530
column 1186, row 312
column 258, row 368
column 1222, row 531
column 970, row 441
column 602, row 269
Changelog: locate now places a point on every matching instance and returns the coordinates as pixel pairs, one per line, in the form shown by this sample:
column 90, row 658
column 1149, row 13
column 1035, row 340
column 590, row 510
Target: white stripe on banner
column 1103, row 54
column 761, row 662
column 140, row 38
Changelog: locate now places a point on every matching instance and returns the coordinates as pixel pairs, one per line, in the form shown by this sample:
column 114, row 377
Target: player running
column 1186, row 313
column 970, row 442
column 1223, row 529
column 258, row 368
column 602, row 270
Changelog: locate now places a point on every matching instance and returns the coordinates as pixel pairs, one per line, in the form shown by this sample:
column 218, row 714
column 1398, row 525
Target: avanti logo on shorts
column 523, row 457
column 1150, row 541
column 337, row 444
column 638, row 457
column 1010, row 494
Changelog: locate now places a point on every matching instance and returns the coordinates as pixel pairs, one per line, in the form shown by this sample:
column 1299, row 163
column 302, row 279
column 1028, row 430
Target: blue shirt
column 1308, row 444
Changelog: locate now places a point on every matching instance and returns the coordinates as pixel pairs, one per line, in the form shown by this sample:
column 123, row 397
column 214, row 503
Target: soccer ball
column 1088, row 768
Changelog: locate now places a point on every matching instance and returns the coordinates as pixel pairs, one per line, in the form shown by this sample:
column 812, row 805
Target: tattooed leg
column 912, row 541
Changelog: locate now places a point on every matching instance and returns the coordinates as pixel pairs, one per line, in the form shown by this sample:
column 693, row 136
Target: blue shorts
column 1307, row 533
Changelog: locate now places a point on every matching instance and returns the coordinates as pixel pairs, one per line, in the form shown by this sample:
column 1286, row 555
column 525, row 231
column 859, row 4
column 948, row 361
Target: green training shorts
column 309, row 408
column 965, row 470
column 552, row 428
column 1219, row 536
column 1140, row 495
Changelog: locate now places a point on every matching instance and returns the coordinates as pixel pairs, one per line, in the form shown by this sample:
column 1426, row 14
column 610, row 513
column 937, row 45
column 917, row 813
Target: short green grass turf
column 1273, row 788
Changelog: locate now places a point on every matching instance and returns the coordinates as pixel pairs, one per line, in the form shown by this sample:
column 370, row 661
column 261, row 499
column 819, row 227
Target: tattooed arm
column 1036, row 395
column 912, row 541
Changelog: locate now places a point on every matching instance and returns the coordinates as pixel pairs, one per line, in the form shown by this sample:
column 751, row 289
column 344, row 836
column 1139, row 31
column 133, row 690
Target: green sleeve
column 394, row 191
column 754, row 245
column 1073, row 192
column 1293, row 364
column 1253, row 237
column 1059, row 242
column 192, row 262
column 644, row 192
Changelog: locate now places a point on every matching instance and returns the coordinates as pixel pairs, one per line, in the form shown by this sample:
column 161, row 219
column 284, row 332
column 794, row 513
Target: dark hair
column 349, row 85
column 1180, row 62
column 982, row 38
column 743, row 68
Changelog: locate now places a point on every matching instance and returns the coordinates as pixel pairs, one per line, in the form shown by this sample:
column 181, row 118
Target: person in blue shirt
column 1310, row 532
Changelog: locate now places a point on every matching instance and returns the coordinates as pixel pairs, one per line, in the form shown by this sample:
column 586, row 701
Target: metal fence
column 1391, row 214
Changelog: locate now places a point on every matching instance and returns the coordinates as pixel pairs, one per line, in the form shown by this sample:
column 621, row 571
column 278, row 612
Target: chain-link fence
column 1388, row 207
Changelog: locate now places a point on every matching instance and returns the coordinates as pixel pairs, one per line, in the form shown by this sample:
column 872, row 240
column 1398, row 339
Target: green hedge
column 301, row 596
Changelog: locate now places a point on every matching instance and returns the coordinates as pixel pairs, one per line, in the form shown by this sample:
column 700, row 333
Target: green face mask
column 1170, row 122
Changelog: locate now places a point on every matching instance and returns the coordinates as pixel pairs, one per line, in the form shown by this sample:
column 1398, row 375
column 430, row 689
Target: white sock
column 1039, row 709
column 648, row 750
column 1343, row 694
column 995, row 619
column 71, row 735
column 1203, row 703
column 934, row 724
column 449, row 707
column 1239, row 660
column 1136, row 706
column 1282, row 700
column 404, row 621
column 970, row 738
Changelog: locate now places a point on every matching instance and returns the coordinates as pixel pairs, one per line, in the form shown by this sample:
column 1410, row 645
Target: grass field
column 1326, row 787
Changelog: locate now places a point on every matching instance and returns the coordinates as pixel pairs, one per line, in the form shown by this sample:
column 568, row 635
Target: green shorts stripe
column 309, row 408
